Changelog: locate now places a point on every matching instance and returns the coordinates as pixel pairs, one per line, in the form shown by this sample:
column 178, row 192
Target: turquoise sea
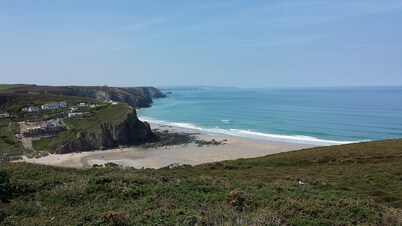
column 321, row 116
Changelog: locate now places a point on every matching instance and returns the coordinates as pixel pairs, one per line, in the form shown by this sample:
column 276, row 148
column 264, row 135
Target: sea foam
column 299, row 139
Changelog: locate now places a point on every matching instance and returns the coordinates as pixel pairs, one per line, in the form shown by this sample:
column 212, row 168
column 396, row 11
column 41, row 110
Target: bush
column 237, row 199
column 115, row 218
column 6, row 188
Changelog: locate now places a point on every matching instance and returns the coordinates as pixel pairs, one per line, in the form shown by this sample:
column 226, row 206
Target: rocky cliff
column 136, row 97
column 130, row 131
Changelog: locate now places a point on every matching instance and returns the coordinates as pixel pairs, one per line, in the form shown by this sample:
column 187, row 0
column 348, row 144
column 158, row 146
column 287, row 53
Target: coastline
column 137, row 157
column 248, row 134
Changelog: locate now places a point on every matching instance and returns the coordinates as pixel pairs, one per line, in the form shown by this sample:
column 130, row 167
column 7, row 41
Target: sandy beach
column 234, row 148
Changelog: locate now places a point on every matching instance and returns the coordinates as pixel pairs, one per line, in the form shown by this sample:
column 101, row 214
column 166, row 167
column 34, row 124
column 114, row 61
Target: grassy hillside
column 9, row 86
column 134, row 96
column 8, row 142
column 357, row 184
column 111, row 115
column 14, row 102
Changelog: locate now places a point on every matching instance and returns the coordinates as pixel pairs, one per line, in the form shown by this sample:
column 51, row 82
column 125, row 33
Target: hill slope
column 341, row 185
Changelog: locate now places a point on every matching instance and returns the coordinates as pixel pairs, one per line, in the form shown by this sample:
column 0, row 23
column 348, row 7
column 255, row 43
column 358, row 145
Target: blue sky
column 210, row 42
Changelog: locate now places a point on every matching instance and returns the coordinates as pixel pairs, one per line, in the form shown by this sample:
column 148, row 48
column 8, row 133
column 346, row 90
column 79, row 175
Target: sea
column 316, row 116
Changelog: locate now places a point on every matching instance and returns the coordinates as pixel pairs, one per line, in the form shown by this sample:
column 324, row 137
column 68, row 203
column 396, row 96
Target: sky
column 240, row 43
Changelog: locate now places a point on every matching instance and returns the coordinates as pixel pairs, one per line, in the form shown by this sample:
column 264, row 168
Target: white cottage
column 50, row 106
column 62, row 104
column 76, row 115
column 33, row 109
column 4, row 115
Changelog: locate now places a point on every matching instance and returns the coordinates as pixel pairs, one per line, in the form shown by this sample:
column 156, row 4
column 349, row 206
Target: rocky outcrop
column 130, row 131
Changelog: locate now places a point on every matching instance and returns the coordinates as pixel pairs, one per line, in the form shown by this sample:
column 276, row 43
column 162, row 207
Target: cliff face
column 136, row 97
column 130, row 131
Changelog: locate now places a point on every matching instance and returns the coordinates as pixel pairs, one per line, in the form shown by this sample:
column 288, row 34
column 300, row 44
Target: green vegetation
column 111, row 115
column 9, row 86
column 9, row 146
column 14, row 102
column 356, row 184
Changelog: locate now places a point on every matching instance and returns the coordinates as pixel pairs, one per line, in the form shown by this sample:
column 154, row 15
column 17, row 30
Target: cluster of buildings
column 59, row 105
column 46, row 127
column 42, row 127
column 49, row 106
column 75, row 114
column 54, row 125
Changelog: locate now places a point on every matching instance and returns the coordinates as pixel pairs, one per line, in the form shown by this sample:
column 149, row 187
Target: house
column 33, row 109
column 62, row 104
column 42, row 127
column 54, row 106
column 53, row 125
column 4, row 115
column 32, row 130
column 30, row 109
column 50, row 106
column 82, row 105
column 76, row 115
column 73, row 108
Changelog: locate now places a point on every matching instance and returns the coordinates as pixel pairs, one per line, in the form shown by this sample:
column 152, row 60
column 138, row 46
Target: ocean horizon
column 317, row 116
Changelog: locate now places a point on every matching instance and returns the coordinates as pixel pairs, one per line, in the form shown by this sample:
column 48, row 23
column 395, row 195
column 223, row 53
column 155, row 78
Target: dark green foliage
column 8, row 143
column 6, row 189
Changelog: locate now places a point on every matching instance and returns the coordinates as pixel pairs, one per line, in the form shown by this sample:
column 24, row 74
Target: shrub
column 6, row 188
column 237, row 199
column 115, row 218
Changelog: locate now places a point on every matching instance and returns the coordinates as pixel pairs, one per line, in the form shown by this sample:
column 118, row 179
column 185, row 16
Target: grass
column 9, row 86
column 14, row 102
column 357, row 184
column 8, row 142
column 112, row 115
column 372, row 168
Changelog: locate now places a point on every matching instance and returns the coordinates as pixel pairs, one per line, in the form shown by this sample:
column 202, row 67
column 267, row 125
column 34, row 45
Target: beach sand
column 234, row 148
